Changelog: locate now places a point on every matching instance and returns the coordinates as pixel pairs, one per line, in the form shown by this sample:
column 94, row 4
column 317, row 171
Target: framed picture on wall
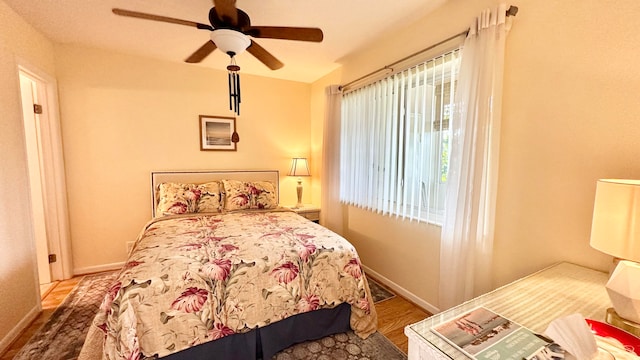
column 216, row 133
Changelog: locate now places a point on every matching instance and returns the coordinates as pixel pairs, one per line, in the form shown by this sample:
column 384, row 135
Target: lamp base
column 629, row 326
column 299, row 193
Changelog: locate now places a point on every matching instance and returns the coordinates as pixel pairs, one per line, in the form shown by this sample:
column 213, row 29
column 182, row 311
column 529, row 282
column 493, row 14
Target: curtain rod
column 511, row 11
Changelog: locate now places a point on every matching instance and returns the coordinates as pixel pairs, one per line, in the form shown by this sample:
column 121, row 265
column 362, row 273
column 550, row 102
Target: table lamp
column 299, row 168
column 615, row 230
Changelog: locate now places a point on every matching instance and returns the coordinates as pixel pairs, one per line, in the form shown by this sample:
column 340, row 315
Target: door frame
column 53, row 180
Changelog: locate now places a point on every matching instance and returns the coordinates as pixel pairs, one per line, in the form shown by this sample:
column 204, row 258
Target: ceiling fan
column 230, row 28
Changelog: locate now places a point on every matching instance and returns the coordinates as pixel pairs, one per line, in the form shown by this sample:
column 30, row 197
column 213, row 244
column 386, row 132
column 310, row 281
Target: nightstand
column 308, row 211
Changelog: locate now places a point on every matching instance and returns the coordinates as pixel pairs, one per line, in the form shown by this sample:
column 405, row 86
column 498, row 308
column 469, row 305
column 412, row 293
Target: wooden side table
column 533, row 301
column 308, row 211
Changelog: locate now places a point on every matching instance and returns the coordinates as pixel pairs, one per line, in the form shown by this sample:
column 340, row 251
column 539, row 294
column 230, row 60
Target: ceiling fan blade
column 264, row 56
column 284, row 32
column 202, row 52
column 140, row 15
column 226, row 11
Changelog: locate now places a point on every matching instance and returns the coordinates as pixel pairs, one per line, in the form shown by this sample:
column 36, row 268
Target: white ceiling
column 348, row 25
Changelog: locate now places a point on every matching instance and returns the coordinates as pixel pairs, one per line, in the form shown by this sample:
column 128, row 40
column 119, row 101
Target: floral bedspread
column 199, row 277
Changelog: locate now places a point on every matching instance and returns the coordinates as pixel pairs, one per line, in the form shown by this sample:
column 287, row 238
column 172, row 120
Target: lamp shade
column 615, row 229
column 230, row 41
column 299, row 167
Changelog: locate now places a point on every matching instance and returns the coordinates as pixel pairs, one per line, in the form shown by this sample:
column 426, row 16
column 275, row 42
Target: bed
column 223, row 272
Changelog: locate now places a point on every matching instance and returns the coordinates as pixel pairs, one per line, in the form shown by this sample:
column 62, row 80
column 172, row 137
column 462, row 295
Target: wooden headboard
column 203, row 176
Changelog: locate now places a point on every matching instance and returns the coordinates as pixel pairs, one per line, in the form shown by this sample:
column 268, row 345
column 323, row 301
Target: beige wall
column 570, row 116
column 19, row 44
column 124, row 116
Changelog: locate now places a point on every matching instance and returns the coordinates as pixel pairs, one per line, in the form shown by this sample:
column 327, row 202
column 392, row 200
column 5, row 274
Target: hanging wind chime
column 234, row 85
column 234, row 91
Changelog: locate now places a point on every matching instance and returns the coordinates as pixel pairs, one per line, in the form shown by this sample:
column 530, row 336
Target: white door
column 29, row 93
column 46, row 177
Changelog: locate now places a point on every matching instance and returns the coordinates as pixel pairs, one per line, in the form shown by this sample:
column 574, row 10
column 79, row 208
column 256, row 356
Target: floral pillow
column 176, row 198
column 249, row 195
column 210, row 197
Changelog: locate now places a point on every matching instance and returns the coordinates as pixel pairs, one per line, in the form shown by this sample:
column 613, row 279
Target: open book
column 483, row 334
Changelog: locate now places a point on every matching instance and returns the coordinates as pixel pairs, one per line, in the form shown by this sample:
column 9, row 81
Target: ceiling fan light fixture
column 231, row 42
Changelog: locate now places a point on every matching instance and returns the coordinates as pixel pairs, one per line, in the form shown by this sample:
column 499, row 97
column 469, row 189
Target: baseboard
column 97, row 268
column 6, row 342
column 401, row 291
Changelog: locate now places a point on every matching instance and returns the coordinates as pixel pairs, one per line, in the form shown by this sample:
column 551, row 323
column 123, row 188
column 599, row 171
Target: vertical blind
column 395, row 138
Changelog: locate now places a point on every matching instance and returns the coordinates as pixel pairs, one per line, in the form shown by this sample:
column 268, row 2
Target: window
column 395, row 141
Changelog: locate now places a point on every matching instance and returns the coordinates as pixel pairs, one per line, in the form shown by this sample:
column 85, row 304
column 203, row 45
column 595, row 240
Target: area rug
column 344, row 346
column 62, row 336
column 379, row 292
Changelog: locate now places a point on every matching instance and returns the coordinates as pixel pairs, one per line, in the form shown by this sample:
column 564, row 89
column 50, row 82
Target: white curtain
column 467, row 233
column 331, row 214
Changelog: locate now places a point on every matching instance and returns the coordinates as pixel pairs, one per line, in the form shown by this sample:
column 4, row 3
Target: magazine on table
column 482, row 334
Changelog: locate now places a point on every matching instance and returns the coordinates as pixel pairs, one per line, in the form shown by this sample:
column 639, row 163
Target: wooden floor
column 396, row 313
column 393, row 315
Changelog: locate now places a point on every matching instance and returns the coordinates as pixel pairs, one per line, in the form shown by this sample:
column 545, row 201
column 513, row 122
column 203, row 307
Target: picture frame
column 216, row 133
